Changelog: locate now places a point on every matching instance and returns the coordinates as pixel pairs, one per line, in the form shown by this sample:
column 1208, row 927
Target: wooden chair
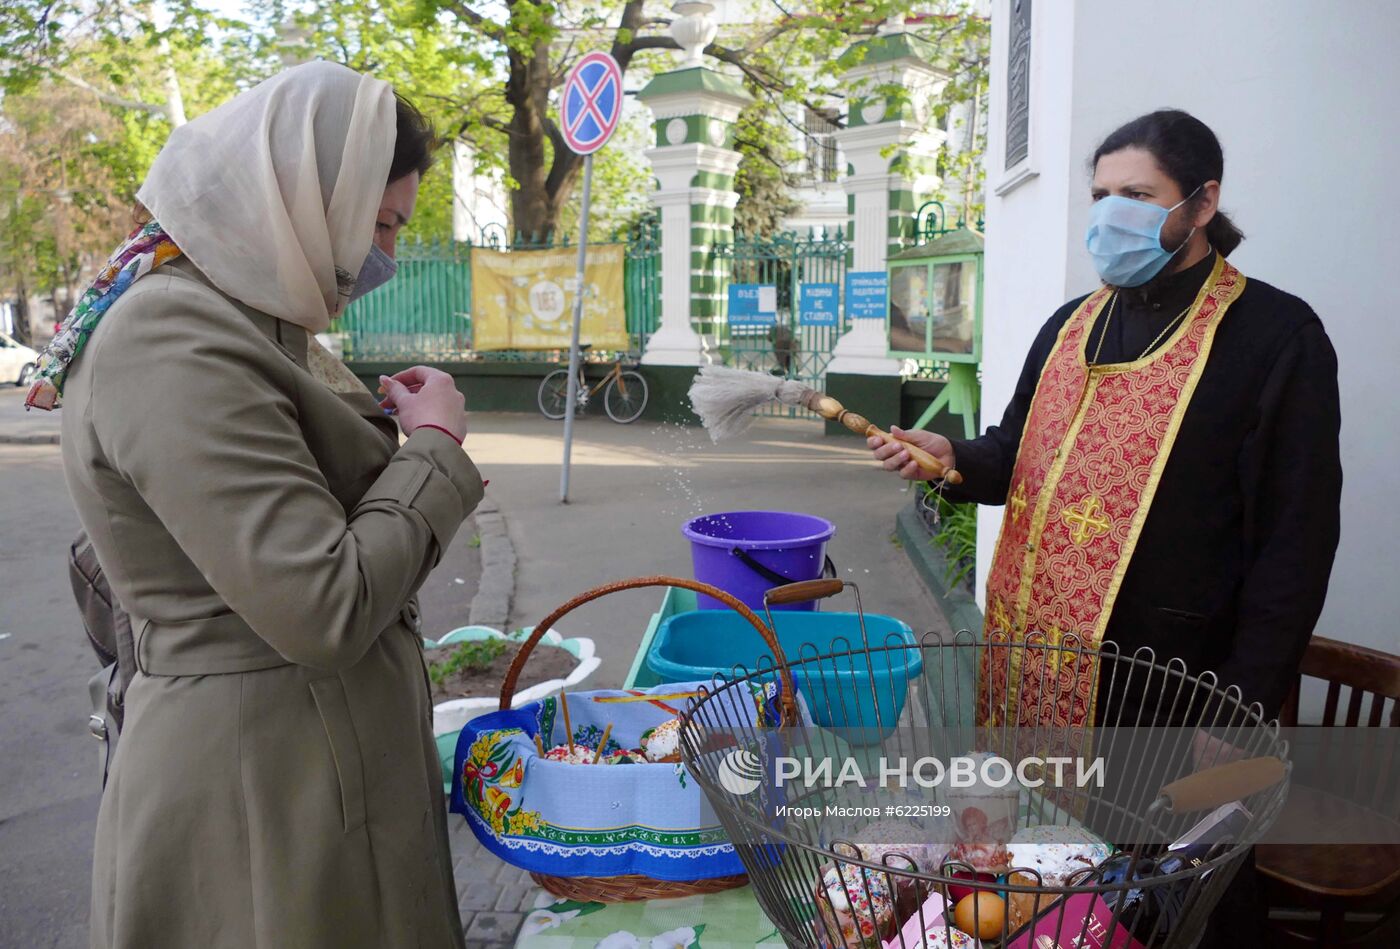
column 1333, row 881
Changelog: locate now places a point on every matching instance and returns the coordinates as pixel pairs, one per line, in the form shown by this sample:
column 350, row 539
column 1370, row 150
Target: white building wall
column 1026, row 253
column 1303, row 100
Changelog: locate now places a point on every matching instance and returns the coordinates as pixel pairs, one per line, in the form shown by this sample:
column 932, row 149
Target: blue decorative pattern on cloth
column 589, row 820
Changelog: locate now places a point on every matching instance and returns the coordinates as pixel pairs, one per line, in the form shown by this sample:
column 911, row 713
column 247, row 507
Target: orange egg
column 980, row 914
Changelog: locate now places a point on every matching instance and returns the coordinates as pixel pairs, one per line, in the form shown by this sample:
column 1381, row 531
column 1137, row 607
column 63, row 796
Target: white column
column 878, row 133
column 864, row 349
column 675, row 342
column 676, row 167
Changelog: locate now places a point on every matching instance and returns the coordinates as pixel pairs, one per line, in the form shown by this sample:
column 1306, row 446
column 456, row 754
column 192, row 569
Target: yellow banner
column 524, row 299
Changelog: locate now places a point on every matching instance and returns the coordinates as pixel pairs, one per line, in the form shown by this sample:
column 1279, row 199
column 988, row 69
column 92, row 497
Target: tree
column 88, row 96
column 485, row 70
column 532, row 47
column 60, row 204
column 962, row 111
column 765, row 180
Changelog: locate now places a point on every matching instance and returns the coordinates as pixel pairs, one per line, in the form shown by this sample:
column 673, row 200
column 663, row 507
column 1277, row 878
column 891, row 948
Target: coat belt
column 215, row 645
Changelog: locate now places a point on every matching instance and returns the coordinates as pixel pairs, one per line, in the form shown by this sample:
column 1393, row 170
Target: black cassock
column 1231, row 568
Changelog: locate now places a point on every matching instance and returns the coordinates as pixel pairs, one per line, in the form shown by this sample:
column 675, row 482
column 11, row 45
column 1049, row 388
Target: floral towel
column 728, row 920
column 590, row 820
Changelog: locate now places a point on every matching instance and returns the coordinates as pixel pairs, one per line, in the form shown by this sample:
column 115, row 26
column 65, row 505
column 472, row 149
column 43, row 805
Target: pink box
column 1063, row 930
column 930, row 918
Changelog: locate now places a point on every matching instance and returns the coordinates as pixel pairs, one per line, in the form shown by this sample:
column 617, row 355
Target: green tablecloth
column 728, row 920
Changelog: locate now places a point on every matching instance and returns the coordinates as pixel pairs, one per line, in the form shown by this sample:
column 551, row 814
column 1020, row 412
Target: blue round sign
column 592, row 103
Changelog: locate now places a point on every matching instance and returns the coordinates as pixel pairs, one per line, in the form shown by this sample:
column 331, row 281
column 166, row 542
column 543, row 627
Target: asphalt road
column 49, row 778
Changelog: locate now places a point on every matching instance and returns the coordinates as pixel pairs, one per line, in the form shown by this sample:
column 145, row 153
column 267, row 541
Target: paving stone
column 493, row 927
column 505, row 873
column 478, row 895
column 508, row 900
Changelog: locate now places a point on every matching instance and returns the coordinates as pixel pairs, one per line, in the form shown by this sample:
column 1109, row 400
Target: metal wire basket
column 1175, row 745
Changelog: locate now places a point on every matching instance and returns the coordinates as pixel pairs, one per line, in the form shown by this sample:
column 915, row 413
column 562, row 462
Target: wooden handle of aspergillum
column 827, row 407
column 1222, row 784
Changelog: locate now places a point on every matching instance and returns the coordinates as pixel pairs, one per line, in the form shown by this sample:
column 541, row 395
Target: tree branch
column 724, row 54
column 491, row 122
column 112, row 98
column 766, row 82
column 487, row 26
column 565, row 163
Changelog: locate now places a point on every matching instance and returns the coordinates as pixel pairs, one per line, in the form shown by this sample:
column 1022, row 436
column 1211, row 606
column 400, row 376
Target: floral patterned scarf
column 145, row 249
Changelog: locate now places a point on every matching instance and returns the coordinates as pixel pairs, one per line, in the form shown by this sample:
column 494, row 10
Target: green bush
column 956, row 534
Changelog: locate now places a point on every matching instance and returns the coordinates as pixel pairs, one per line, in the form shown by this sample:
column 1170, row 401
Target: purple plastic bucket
column 790, row 545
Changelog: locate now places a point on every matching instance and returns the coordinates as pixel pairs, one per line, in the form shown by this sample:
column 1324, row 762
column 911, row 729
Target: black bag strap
column 773, row 576
column 107, row 625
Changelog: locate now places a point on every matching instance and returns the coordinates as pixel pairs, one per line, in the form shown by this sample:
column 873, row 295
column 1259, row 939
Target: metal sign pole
column 579, row 286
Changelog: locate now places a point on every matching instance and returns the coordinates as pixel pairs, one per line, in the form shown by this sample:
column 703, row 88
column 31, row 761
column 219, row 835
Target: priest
column 1169, row 460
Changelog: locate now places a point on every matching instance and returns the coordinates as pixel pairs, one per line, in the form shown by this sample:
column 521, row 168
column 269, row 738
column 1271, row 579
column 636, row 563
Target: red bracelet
column 440, row 429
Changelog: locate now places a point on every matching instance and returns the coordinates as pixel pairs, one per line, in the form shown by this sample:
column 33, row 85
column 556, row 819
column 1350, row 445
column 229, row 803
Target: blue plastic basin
column 839, row 692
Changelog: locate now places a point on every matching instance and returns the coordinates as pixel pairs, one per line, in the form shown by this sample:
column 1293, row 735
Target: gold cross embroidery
column 1086, row 520
column 1018, row 502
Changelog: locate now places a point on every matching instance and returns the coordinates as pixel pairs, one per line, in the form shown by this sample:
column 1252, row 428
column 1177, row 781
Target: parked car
column 17, row 362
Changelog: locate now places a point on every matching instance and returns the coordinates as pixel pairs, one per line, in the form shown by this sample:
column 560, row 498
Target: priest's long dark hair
column 1188, row 151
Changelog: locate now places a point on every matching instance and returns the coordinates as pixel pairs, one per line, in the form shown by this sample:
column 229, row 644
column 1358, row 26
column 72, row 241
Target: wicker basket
column 630, row 888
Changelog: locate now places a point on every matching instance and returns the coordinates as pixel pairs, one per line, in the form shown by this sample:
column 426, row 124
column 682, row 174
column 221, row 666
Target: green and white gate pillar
column 695, row 108
column 892, row 150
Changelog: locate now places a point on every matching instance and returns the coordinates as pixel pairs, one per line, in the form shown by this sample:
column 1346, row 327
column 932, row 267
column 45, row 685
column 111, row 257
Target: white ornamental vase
column 693, row 29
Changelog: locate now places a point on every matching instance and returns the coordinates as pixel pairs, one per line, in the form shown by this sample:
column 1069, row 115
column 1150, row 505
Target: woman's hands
column 893, row 456
column 424, row 396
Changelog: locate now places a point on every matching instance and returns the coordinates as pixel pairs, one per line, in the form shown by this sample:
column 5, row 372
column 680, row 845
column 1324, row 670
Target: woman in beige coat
column 276, row 784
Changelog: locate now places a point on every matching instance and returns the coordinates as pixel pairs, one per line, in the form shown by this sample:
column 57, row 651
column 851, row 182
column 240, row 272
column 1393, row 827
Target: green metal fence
column 642, row 281
column 424, row 313
column 791, row 345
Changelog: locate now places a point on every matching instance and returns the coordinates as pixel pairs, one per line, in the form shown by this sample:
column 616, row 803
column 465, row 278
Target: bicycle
column 624, row 392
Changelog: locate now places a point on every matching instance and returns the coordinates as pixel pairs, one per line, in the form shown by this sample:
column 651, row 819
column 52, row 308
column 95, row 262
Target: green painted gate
column 791, row 346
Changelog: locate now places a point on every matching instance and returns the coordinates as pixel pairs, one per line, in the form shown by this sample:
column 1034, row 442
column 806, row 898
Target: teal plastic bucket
column 840, row 692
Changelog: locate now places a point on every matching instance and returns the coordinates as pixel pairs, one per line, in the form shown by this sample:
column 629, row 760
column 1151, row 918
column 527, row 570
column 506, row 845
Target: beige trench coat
column 276, row 784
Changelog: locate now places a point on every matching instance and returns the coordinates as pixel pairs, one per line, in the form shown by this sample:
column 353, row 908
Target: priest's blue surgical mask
column 1125, row 239
column 378, row 269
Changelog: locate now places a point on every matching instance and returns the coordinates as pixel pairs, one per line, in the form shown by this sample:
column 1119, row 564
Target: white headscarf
column 274, row 194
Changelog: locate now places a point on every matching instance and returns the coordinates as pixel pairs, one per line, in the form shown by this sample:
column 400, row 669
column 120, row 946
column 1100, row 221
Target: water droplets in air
column 675, row 446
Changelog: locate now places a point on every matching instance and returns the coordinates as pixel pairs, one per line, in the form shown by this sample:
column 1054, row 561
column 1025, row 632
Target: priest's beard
column 1178, row 236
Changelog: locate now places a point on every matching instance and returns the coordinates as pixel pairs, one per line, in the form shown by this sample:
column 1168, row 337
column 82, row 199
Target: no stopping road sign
column 591, row 103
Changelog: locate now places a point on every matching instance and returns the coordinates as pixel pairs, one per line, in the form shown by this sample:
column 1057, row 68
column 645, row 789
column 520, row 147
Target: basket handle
column 1222, row 784
column 804, row 590
column 787, row 704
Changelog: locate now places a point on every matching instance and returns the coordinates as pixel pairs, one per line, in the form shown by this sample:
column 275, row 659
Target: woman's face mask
column 378, row 269
column 1125, row 239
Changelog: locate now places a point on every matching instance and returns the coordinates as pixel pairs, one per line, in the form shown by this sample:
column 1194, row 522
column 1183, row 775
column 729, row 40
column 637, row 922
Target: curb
column 29, row 439
column 496, row 589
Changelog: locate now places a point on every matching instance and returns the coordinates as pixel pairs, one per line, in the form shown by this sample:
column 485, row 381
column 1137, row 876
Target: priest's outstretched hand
column 895, row 457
